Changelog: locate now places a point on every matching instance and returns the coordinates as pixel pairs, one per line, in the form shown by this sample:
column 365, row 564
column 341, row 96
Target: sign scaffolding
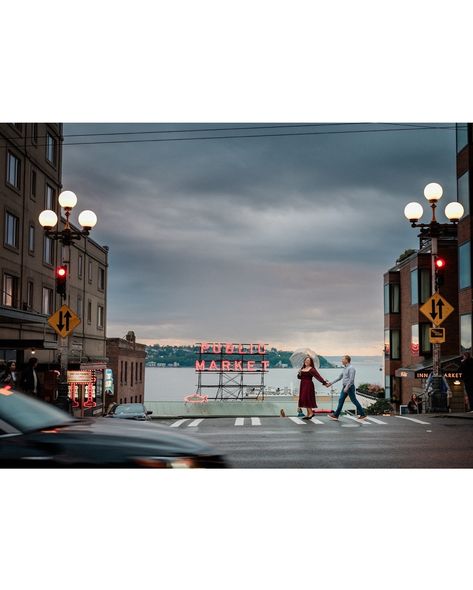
column 229, row 367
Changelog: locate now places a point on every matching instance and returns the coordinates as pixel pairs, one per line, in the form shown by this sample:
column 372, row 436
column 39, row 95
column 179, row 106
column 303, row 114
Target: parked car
column 129, row 412
column 37, row 434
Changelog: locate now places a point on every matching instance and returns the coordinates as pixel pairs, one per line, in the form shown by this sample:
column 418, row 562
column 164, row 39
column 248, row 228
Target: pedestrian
column 307, row 389
column 10, row 375
column 466, row 370
column 414, row 405
column 29, row 380
column 348, row 389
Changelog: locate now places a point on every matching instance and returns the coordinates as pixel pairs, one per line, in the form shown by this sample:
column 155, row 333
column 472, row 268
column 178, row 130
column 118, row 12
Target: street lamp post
column 434, row 230
column 48, row 220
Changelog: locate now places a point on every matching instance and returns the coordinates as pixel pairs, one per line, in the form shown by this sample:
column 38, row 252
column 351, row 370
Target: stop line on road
column 256, row 421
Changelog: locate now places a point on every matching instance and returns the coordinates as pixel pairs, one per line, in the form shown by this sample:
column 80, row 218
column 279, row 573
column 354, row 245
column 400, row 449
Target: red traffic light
column 440, row 263
column 61, row 271
column 61, row 280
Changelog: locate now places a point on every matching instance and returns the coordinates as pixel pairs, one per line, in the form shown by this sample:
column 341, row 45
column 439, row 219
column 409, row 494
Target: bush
column 380, row 406
column 372, row 389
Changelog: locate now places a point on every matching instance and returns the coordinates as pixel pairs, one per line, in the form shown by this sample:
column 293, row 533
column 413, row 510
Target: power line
column 412, row 127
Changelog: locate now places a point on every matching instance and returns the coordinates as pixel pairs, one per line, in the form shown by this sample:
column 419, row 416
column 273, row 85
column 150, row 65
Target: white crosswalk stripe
column 356, row 420
column 178, row 423
column 195, row 422
column 255, row 422
column 413, row 420
column 296, row 420
column 375, row 420
column 239, row 421
column 317, row 421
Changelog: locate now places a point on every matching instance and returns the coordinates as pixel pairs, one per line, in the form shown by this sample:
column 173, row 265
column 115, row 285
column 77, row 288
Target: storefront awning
column 10, row 315
column 449, row 366
column 15, row 344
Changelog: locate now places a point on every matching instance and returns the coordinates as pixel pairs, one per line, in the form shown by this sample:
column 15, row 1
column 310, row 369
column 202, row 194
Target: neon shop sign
column 231, row 357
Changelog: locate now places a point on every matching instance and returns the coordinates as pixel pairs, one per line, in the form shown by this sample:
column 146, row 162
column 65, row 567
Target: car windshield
column 129, row 409
column 26, row 413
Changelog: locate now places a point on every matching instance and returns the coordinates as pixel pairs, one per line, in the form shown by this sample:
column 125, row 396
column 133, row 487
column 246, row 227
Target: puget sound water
column 173, row 384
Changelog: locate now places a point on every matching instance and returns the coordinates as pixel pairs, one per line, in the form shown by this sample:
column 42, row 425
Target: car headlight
column 160, row 463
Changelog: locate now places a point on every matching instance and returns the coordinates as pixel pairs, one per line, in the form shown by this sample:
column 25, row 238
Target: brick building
column 127, row 361
column 30, row 181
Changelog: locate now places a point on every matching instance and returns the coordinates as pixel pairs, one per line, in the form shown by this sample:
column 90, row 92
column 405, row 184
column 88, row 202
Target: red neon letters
column 232, row 365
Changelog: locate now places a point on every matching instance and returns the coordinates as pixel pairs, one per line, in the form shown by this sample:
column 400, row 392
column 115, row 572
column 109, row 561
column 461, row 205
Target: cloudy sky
column 282, row 240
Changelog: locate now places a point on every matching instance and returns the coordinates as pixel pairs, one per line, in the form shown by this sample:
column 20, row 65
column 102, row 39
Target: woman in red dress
column 307, row 390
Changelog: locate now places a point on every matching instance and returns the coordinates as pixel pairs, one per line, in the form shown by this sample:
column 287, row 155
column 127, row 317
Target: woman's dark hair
column 311, row 362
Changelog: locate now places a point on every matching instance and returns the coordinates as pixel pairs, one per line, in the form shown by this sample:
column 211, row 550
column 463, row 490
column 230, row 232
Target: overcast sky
column 282, row 240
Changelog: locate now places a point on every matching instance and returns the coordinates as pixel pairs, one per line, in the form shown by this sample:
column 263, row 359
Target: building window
column 141, row 372
column 79, row 306
column 48, row 250
column 464, row 264
column 425, row 346
column 13, row 170
column 10, row 290
column 31, row 240
column 99, row 316
column 90, row 271
column 33, row 184
column 79, row 266
column 121, row 372
column 29, row 295
column 51, row 145
column 387, row 345
column 462, row 136
column 391, row 298
column 463, row 191
column 136, row 372
column 415, row 340
column 126, row 371
column 47, row 301
column 50, row 201
column 425, row 284
column 131, row 374
column 34, row 137
column 414, row 287
column 101, row 278
column 89, row 311
column 387, row 386
column 12, row 224
column 465, row 332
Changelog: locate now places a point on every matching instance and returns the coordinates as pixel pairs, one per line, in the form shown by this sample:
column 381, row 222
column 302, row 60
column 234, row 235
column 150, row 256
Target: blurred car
column 129, row 412
column 36, row 434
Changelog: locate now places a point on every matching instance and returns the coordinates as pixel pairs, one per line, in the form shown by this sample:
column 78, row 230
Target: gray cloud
column 276, row 239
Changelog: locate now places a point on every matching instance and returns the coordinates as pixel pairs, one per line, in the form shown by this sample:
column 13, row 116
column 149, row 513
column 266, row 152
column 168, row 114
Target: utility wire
column 292, row 134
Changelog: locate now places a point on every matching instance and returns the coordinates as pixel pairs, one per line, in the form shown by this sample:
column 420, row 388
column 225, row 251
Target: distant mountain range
column 185, row 356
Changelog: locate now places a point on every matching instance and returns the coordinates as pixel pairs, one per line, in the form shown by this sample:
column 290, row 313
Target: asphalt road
column 391, row 442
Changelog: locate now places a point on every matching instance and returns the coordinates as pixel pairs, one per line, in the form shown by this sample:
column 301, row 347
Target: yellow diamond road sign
column 64, row 320
column 437, row 309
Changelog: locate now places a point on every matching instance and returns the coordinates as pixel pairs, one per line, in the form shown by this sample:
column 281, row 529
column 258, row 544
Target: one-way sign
column 437, row 309
column 63, row 321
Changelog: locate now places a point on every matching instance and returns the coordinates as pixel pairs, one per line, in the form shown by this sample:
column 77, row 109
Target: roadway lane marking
column 356, row 420
column 195, row 422
column 316, row 421
column 239, row 421
column 178, row 423
column 296, row 420
column 375, row 420
column 255, row 422
column 413, row 420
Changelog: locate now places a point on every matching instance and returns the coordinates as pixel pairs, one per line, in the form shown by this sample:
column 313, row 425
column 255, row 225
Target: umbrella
column 298, row 356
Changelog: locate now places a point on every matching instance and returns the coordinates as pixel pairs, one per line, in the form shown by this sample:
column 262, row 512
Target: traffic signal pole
column 438, row 401
column 63, row 400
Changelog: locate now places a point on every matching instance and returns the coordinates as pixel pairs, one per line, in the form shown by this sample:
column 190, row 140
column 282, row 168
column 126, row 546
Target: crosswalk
column 316, row 421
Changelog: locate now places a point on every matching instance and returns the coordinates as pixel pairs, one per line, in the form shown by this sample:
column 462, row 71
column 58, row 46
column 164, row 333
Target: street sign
column 437, row 309
column 437, row 335
column 63, row 321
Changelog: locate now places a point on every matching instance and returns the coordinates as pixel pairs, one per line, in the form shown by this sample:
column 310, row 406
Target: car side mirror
column 149, row 412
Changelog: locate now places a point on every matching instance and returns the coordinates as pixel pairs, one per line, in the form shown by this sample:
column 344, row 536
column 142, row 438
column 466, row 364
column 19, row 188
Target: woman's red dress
column 307, row 390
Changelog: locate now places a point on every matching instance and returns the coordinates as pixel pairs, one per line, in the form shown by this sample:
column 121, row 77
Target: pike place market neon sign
column 226, row 361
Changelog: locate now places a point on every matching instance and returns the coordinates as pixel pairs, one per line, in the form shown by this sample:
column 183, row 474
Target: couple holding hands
column 307, row 390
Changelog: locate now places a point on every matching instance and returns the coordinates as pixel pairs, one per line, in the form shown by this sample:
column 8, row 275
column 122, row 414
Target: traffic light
column 440, row 266
column 61, row 280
